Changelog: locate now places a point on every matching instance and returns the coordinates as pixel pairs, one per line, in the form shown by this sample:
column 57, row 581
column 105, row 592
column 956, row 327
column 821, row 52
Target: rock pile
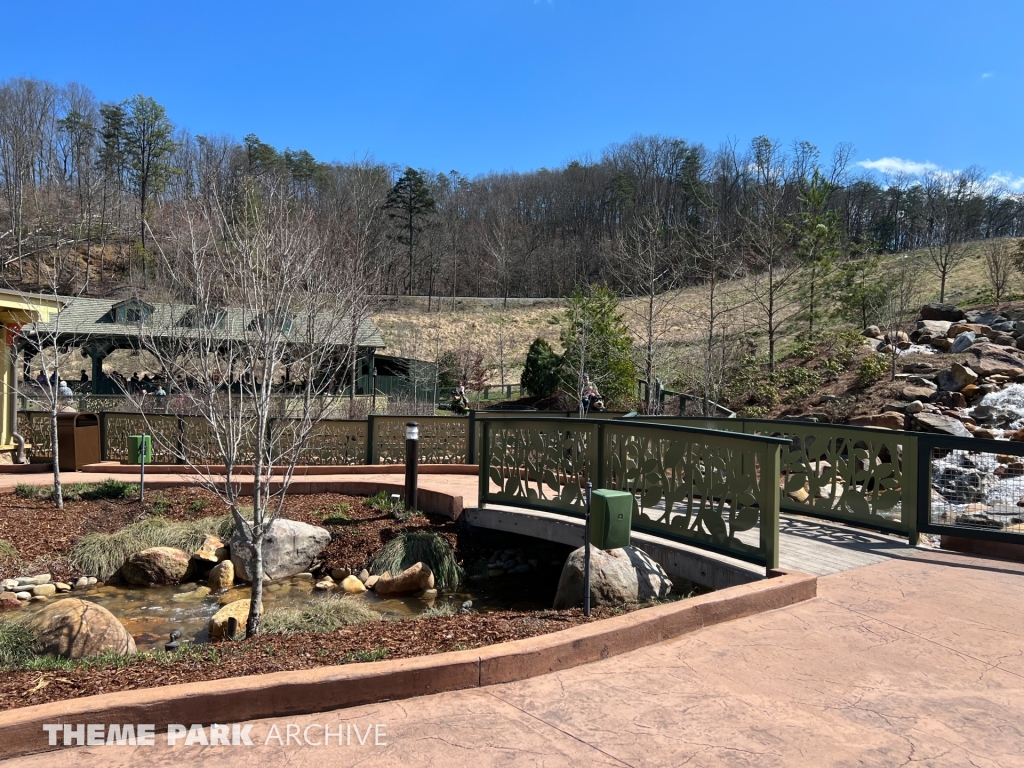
column 945, row 397
column 36, row 589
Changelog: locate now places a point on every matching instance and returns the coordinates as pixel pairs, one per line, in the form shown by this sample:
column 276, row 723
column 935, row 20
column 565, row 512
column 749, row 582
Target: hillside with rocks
column 958, row 372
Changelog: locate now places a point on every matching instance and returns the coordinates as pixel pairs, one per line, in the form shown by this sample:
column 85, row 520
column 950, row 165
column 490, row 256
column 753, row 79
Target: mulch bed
column 390, row 639
column 44, row 536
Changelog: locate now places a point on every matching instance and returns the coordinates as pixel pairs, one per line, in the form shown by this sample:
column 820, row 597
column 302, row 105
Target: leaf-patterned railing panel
column 335, row 443
column 851, row 475
column 34, row 426
column 542, row 464
column 696, row 487
column 443, row 439
column 118, row 427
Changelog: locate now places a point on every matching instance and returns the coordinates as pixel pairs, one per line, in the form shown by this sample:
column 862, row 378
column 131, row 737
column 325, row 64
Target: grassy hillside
column 409, row 330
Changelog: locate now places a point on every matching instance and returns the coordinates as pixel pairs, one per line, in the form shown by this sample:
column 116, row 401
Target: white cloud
column 986, row 75
column 898, row 165
column 1007, row 180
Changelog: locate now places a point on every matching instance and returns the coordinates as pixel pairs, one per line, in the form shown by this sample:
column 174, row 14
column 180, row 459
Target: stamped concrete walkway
column 909, row 661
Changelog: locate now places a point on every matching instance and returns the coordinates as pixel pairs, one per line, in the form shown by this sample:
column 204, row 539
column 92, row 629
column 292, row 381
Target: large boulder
column 212, row 550
column 74, row 628
column 962, row 375
column 984, row 317
column 238, row 610
column 289, row 548
column 913, row 393
column 938, row 311
column 156, row 566
column 617, row 576
column 990, row 360
column 944, row 425
column 415, row 578
column 931, row 328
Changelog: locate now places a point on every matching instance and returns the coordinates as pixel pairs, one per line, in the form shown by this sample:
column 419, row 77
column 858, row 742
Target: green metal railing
column 712, row 489
column 854, row 475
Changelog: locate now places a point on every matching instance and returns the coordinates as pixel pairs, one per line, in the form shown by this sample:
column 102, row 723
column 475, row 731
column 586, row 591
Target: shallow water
column 151, row 614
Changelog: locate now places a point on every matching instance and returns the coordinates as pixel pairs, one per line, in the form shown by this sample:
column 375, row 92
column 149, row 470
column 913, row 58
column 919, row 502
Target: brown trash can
column 78, row 440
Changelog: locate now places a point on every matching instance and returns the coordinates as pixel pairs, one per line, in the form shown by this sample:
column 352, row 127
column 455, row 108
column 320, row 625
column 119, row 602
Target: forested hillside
column 719, row 254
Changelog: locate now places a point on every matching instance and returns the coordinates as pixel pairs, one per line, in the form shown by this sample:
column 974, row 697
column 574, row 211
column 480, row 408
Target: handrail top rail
column 718, row 433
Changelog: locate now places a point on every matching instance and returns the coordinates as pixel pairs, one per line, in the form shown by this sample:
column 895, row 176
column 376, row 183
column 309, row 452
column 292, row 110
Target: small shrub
column 8, row 551
column 872, row 369
column 16, row 643
column 411, row 547
column 161, row 505
column 108, row 489
column 374, row 655
column 197, row 506
column 325, row 615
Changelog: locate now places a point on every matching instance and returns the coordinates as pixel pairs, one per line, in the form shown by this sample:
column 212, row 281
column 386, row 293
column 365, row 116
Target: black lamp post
column 373, row 389
column 586, row 554
column 412, row 463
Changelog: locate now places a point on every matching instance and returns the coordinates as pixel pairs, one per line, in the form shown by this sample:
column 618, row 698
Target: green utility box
column 135, row 443
column 611, row 514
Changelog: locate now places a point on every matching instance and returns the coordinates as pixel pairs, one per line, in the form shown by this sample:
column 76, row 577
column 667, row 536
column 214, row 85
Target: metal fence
column 712, row 489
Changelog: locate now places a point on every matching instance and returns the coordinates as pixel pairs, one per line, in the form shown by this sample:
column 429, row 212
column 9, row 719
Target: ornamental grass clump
column 411, row 547
column 16, row 643
column 102, row 554
column 326, row 615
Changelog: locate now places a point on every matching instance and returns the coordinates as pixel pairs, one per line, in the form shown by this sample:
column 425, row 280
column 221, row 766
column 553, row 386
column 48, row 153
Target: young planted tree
column 650, row 277
column 249, row 288
column 900, row 300
column 999, row 265
column 541, row 371
column 597, row 343
column 819, row 241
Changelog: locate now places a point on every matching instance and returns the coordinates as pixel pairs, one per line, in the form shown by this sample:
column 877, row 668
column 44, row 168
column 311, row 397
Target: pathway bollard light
column 586, row 553
column 412, row 462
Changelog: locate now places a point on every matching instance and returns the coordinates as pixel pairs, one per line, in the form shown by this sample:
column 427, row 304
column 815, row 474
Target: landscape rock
column 946, row 425
column 914, row 392
column 31, row 581
column 963, row 342
column 353, row 585
column 221, row 576
column 239, row 610
column 372, row 581
column 364, row 575
column 44, row 589
column 39, row 598
column 873, row 332
column 289, row 548
column 989, row 360
column 890, row 420
column 1005, row 340
column 617, row 577
column 946, row 382
column 74, row 628
column 9, row 602
column 943, row 344
column 984, row 317
column 156, row 566
column 936, row 311
column 196, row 594
column 340, row 574
column 962, row 375
column 933, row 328
column 23, row 595
column 212, row 550
column 323, row 585
column 62, row 587
column 413, row 579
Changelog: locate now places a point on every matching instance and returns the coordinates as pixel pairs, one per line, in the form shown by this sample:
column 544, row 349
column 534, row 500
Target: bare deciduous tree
column 250, row 288
column 999, row 265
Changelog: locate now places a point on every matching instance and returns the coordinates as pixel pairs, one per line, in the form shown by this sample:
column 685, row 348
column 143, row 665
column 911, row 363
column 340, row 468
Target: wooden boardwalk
column 821, row 548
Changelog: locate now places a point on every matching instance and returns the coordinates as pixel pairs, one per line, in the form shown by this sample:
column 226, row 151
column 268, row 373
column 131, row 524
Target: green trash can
column 611, row 515
column 135, row 449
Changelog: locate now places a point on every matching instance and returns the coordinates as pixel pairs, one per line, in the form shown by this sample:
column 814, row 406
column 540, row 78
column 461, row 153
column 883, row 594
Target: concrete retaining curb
column 317, row 690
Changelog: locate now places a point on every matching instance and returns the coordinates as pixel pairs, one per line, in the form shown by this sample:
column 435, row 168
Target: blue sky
column 478, row 85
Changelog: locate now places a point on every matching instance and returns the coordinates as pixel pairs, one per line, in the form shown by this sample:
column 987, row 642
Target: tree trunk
column 58, row 491
column 252, row 624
